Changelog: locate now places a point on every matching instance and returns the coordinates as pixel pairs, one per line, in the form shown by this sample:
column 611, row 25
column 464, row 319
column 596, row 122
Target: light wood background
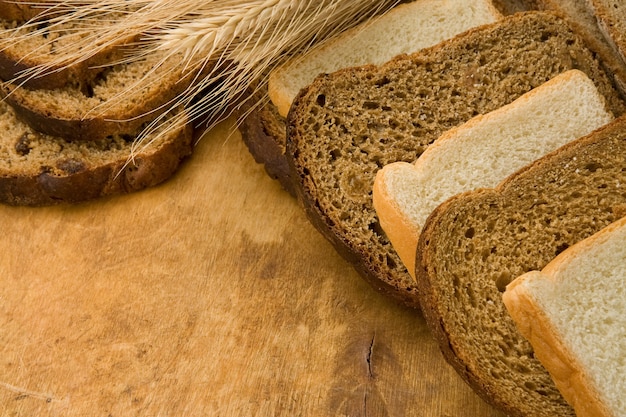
column 211, row 295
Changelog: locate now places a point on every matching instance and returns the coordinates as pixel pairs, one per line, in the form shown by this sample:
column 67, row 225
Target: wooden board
column 210, row 295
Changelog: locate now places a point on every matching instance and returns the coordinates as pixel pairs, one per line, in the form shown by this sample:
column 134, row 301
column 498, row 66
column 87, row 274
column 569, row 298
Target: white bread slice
column 404, row 29
column 573, row 314
column 482, row 152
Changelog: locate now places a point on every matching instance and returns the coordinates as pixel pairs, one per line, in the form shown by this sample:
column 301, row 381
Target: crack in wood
column 370, row 352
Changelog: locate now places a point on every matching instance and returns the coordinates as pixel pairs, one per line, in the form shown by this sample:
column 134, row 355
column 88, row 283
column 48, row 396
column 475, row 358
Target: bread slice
column 611, row 16
column 572, row 314
column 118, row 102
column 582, row 18
column 347, row 125
column 405, row 28
column 37, row 169
column 482, row 152
column 263, row 127
column 476, row 243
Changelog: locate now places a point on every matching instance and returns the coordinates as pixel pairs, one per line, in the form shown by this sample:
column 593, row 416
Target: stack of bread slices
column 446, row 171
column 68, row 137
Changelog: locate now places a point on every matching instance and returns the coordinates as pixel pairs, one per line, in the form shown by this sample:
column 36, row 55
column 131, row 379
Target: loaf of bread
column 375, row 42
column 474, row 244
column 572, row 314
column 347, row 125
column 482, row 152
column 119, row 101
column 404, row 29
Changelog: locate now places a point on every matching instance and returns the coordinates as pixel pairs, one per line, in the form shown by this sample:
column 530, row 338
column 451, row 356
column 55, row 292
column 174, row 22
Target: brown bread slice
column 37, row 169
column 474, row 244
column 345, row 126
column 611, row 16
column 582, row 18
column 572, row 313
column 118, row 102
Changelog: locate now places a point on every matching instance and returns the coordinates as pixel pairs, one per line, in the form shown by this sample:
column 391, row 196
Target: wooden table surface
column 211, row 295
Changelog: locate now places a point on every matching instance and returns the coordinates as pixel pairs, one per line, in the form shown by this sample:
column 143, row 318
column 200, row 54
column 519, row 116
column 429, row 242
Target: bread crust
column 401, row 230
column 263, row 132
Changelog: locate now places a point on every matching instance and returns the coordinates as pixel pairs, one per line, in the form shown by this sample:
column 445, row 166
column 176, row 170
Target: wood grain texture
column 209, row 295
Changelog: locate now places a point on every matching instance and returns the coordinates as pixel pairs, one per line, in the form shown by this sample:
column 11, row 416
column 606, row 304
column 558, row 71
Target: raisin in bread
column 347, row 125
column 475, row 243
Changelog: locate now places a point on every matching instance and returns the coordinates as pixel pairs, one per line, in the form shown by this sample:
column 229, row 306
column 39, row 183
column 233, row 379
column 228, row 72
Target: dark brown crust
column 148, row 169
column 264, row 133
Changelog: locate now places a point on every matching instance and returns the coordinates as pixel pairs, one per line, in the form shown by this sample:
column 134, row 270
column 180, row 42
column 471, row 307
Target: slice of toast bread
column 263, row 129
column 117, row 102
column 482, row 152
column 37, row 169
column 572, row 312
column 347, row 125
column 475, row 243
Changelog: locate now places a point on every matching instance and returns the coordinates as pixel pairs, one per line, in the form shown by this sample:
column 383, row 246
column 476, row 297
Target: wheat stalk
column 230, row 44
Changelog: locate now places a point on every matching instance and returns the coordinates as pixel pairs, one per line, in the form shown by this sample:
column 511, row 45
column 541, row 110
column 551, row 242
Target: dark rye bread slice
column 346, row 126
column 119, row 101
column 37, row 169
column 474, row 244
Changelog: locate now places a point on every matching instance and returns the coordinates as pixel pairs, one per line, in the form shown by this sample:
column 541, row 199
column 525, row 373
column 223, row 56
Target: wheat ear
column 230, row 45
